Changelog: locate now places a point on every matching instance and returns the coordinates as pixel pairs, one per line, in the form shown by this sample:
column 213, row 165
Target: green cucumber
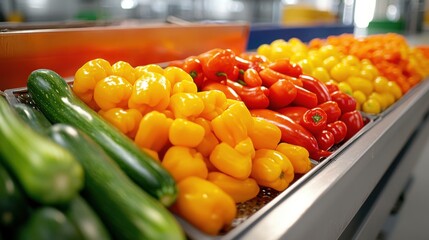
column 32, row 117
column 13, row 205
column 54, row 97
column 48, row 223
column 127, row 210
column 47, row 172
column 87, row 222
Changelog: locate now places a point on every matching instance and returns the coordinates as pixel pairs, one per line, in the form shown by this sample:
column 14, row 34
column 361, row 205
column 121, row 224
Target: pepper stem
column 316, row 118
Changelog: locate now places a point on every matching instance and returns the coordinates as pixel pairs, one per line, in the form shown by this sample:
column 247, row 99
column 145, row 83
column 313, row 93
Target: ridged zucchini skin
column 47, row 172
column 33, row 117
column 54, row 97
column 127, row 210
column 86, row 221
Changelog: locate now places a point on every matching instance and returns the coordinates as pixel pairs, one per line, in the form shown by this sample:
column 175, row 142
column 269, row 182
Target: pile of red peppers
column 308, row 112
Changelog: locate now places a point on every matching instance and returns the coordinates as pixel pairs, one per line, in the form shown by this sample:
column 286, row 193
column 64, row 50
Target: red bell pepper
column 192, row 65
column 228, row 91
column 292, row 132
column 284, row 66
column 354, row 122
column 314, row 120
column 253, row 97
column 269, row 77
column 346, row 102
column 242, row 63
column 282, row 93
column 338, row 129
column 305, row 98
column 325, row 139
column 318, row 87
column 332, row 110
column 332, row 87
column 293, row 112
column 251, row 78
column 219, row 64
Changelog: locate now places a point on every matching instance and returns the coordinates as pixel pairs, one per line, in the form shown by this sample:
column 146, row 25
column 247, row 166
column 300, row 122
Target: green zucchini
column 87, row 222
column 13, row 205
column 127, row 210
column 54, row 97
column 48, row 223
column 32, row 117
column 47, row 172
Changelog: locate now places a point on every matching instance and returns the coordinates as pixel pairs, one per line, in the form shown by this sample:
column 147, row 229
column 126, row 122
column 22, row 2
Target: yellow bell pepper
column 150, row 92
column 153, row 131
column 126, row 120
column 186, row 105
column 209, row 141
column 87, row 76
column 239, row 190
column 152, row 153
column 298, row 156
column 264, row 134
column 214, row 103
column 233, row 125
column 141, row 70
column 112, row 92
column 204, row 205
column 182, row 162
column 236, row 162
column 180, row 80
column 272, row 169
column 185, row 133
column 125, row 70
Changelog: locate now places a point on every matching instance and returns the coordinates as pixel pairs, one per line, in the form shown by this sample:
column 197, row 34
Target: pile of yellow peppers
column 216, row 151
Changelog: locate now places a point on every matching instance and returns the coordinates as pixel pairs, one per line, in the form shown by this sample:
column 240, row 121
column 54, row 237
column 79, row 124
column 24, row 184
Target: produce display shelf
column 325, row 202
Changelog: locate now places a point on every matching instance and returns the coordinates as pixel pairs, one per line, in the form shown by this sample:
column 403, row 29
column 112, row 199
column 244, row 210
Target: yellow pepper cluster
column 216, row 151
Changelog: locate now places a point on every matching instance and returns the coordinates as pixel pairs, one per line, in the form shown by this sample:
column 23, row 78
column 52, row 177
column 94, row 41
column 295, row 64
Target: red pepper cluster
column 308, row 112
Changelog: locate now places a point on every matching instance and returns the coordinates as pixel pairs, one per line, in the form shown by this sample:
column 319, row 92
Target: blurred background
column 409, row 15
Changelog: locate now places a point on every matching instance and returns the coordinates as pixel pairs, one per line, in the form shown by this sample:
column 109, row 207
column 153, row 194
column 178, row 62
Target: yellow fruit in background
column 359, row 96
column 321, row 74
column 307, row 66
column 329, row 62
column 371, row 106
column 328, row 50
column 380, row 84
column 361, row 84
column 377, row 96
column 364, row 73
column 394, row 89
column 368, row 67
column 388, row 97
column 345, row 88
column 351, row 60
column 339, row 72
column 265, row 50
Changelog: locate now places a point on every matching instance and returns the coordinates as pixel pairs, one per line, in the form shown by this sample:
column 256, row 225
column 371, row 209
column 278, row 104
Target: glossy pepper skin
column 251, row 78
column 209, row 141
column 233, row 125
column 185, row 133
column 298, row 156
column 181, row 81
column 353, row 121
column 192, row 65
column 125, row 70
column 293, row 112
column 150, row 92
column 197, row 194
column 219, row 64
column 153, row 131
column 345, row 102
column 286, row 67
column 234, row 161
column 292, row 132
column 282, row 93
column 264, row 134
column 126, row 120
column 272, row 169
column 314, row 120
column 332, row 110
column 176, row 157
column 269, row 77
column 186, row 105
column 112, row 92
column 253, row 97
column 325, row 139
column 87, row 76
column 239, row 190
column 227, row 90
column 214, row 103
column 305, row 98
column 316, row 86
column 338, row 129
